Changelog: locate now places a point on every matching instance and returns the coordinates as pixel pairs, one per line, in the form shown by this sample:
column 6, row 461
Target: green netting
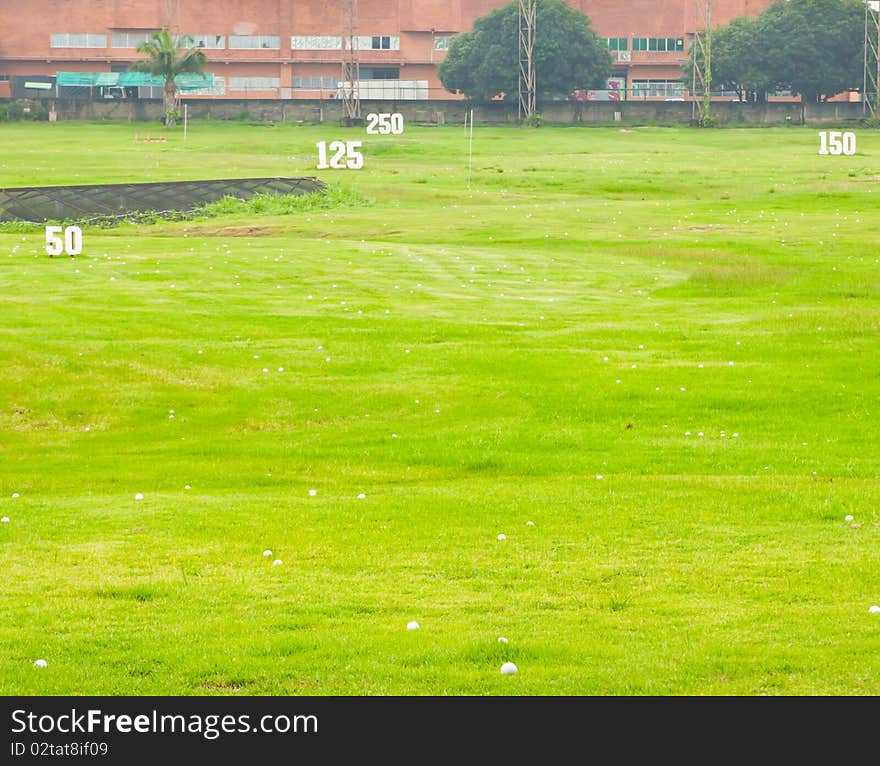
column 189, row 81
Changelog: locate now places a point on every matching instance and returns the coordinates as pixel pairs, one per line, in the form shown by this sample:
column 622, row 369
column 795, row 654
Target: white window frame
column 365, row 42
column 72, row 40
column 315, row 43
column 254, row 42
column 309, row 83
column 245, row 84
column 132, row 38
column 208, row 42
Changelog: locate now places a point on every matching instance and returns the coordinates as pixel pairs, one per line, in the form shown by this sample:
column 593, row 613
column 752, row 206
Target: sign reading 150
column 835, row 142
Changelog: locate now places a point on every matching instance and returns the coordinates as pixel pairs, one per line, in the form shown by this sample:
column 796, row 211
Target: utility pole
column 351, row 68
column 172, row 16
column 870, row 94
column 702, row 60
column 528, row 12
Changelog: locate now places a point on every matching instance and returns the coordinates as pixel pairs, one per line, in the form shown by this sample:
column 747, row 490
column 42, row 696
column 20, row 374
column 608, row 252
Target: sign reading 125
column 835, row 142
column 342, row 155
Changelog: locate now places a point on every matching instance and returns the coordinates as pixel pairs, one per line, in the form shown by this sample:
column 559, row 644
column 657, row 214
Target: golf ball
column 15, row 494
column 848, row 517
column 502, row 537
column 508, row 669
column 277, row 563
column 41, row 664
column 530, row 523
column 412, row 625
column 267, row 553
column 313, row 492
column 139, row 496
column 361, row 496
column 874, row 609
column 4, row 520
column 502, row 640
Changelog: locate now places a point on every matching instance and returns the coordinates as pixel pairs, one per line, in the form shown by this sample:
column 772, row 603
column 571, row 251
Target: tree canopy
column 812, row 47
column 168, row 57
column 484, row 62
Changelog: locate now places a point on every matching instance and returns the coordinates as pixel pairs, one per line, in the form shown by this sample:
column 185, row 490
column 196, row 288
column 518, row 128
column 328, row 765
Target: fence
column 449, row 111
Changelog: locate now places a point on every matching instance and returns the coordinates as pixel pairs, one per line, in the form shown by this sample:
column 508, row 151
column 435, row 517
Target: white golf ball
column 874, row 609
column 277, row 563
column 15, row 494
column 139, row 496
column 41, row 664
column 4, row 520
column 187, row 487
column 361, row 496
column 412, row 625
column 502, row 536
column 313, row 492
column 530, row 523
column 267, row 552
column 848, row 517
column 508, row 669
column 502, row 640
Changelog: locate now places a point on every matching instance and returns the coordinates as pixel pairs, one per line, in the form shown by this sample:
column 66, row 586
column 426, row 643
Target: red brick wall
column 27, row 24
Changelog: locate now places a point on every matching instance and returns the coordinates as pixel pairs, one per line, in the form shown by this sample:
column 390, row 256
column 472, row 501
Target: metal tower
column 870, row 94
column 702, row 60
column 526, row 88
column 351, row 68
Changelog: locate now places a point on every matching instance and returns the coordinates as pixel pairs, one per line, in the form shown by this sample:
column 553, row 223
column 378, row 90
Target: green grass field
column 658, row 345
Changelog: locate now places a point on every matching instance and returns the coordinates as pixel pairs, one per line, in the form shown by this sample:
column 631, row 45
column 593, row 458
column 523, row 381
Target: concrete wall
column 453, row 112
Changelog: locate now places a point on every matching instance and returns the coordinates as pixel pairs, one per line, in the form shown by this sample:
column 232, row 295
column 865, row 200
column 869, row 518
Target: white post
column 185, row 107
column 471, row 150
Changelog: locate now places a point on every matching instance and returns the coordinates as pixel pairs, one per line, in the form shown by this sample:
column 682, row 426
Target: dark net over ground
column 109, row 201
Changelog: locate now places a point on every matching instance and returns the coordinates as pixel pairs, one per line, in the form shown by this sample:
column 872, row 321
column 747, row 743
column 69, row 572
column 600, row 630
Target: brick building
column 294, row 48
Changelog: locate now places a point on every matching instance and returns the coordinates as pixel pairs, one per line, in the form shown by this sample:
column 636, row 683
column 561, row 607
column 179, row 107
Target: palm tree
column 168, row 57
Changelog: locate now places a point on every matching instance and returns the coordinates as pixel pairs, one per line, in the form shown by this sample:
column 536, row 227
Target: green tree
column 168, row 57
column 812, row 47
column 737, row 61
column 815, row 47
column 484, row 63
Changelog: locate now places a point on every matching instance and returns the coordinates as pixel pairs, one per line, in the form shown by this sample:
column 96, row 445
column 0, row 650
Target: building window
column 378, row 43
column 209, row 42
column 315, row 83
column 617, row 43
column 315, row 43
column 667, row 44
column 129, row 38
column 656, row 89
column 254, row 83
column 254, row 42
column 217, row 89
column 76, row 40
column 380, row 73
column 441, row 43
